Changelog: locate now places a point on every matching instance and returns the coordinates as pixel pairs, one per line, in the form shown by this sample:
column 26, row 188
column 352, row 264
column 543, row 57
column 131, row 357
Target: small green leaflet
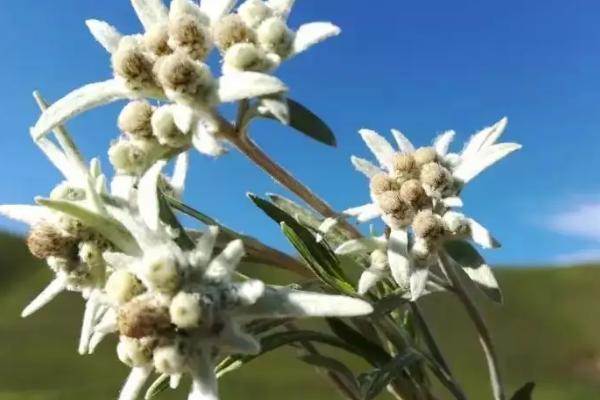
column 305, row 121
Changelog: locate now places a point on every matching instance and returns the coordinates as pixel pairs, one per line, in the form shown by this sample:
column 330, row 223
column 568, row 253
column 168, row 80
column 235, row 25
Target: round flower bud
column 254, row 12
column 381, row 183
column 166, row 131
column 122, row 286
column 156, row 39
column 246, row 57
column 403, row 162
column 456, row 222
column 428, row 225
column 169, row 360
column 276, row 37
column 135, row 118
column 45, row 240
column 181, row 75
column 379, row 260
column 435, row 179
column 134, row 352
column 187, row 33
column 390, row 202
column 126, row 157
column 64, row 191
column 231, row 30
column 130, row 63
column 185, row 310
column 162, row 272
column 412, row 193
column 425, row 155
column 143, row 317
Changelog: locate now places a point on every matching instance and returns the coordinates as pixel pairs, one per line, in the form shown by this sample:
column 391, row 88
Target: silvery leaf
column 54, row 288
column 106, row 34
column 204, row 380
column 222, row 266
column 380, row 147
column 244, row 85
column 484, row 138
column 150, row 12
column 362, row 245
column 481, row 236
column 366, row 167
column 466, row 256
column 31, row 215
column 216, row 9
column 368, row 279
column 281, row 7
column 79, row 101
column 470, row 167
column 418, row 282
column 441, row 144
column 135, row 382
column 288, row 303
column 404, row 144
column 147, row 196
column 312, row 33
column 398, row 259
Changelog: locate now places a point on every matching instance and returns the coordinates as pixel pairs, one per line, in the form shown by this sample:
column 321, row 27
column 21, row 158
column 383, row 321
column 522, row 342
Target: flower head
column 414, row 190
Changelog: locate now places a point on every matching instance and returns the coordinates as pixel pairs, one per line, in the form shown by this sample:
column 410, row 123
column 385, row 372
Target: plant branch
column 485, row 338
column 238, row 137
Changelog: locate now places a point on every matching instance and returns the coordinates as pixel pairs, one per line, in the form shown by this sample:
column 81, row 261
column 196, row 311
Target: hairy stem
column 485, row 338
column 239, row 138
column 284, row 178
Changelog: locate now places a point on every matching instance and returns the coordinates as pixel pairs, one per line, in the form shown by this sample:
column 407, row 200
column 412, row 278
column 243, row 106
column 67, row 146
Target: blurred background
column 421, row 67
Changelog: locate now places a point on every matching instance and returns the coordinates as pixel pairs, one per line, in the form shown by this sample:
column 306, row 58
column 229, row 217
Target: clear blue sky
column 419, row 66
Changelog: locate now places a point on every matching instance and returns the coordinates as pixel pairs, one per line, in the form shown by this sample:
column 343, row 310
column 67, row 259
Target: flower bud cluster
column 414, row 183
column 148, row 133
column 169, row 58
column 256, row 38
column 70, row 249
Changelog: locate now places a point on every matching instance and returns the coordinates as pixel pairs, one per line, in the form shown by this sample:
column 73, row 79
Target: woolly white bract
column 414, row 190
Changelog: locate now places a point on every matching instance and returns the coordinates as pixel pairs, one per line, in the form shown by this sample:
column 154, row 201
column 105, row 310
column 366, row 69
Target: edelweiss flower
column 413, row 191
column 175, row 309
column 257, row 37
column 165, row 62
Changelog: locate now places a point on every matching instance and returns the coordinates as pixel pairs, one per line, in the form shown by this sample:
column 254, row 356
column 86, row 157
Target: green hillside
column 547, row 331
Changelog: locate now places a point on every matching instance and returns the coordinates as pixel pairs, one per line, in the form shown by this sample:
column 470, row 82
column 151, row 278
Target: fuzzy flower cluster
column 416, row 192
column 168, row 62
column 176, row 309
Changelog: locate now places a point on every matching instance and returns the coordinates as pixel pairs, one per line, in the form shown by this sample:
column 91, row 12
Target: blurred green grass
column 547, row 331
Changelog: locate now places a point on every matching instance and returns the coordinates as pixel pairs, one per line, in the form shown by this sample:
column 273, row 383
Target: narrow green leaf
column 338, row 368
column 305, row 121
column 525, row 392
column 167, row 215
column 372, row 383
column 320, row 257
column 371, row 351
column 305, row 216
column 321, row 261
column 474, row 265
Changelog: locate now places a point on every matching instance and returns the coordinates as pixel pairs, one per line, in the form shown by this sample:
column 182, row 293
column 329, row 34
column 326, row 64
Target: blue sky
column 418, row 66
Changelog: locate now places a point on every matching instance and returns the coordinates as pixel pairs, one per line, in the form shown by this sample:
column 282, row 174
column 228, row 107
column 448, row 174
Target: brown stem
column 284, row 178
